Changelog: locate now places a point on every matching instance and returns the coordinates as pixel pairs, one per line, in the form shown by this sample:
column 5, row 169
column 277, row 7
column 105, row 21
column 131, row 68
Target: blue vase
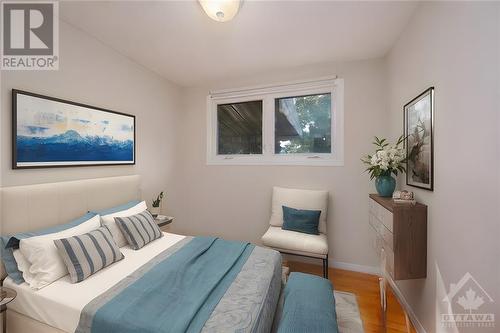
column 385, row 185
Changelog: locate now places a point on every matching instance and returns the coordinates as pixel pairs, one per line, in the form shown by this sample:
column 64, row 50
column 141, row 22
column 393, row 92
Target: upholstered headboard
column 31, row 207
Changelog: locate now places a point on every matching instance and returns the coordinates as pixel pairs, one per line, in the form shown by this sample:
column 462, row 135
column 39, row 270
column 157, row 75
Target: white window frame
column 268, row 94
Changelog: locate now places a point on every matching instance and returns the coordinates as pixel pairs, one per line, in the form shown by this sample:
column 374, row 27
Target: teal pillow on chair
column 301, row 220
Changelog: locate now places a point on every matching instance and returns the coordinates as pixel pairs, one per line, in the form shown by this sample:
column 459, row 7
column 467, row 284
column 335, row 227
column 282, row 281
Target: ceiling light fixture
column 221, row 10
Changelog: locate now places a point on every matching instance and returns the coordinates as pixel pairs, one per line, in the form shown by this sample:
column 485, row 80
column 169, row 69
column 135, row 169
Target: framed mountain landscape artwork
column 419, row 123
column 51, row 132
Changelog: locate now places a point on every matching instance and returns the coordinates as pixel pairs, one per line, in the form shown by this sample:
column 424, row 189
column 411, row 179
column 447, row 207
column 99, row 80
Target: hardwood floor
column 366, row 289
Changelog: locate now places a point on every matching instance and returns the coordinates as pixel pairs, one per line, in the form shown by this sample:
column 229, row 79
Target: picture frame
column 50, row 132
column 419, row 140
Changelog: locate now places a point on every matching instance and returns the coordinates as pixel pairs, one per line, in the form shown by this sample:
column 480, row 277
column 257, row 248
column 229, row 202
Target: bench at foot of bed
column 309, row 305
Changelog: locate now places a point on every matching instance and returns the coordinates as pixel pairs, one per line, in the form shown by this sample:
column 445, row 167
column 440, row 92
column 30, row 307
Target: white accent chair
column 297, row 243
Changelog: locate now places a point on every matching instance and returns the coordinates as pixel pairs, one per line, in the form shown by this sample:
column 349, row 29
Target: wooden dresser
column 400, row 237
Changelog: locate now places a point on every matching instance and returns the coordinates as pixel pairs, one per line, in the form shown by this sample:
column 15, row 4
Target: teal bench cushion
column 309, row 305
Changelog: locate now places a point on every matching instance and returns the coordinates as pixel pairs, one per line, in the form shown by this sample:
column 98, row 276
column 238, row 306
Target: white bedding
column 60, row 303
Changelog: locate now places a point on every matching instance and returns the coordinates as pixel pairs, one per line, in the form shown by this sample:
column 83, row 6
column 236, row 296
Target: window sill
column 279, row 162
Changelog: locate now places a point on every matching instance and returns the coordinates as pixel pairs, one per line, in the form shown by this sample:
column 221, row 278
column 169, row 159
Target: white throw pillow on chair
column 298, row 199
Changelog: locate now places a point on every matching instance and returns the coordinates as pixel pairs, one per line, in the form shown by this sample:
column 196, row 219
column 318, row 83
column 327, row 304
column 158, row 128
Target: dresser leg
column 383, row 302
column 408, row 323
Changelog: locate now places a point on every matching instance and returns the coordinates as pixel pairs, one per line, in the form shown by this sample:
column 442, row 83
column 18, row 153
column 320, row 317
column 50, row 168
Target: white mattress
column 60, row 303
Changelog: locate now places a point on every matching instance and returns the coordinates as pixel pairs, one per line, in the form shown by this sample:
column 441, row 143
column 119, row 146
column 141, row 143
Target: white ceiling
column 178, row 41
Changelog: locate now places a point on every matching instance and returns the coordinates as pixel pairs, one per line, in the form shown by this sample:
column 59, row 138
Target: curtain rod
column 269, row 86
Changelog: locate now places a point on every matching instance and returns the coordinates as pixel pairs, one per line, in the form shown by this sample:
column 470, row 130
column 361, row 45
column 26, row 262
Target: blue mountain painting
column 71, row 146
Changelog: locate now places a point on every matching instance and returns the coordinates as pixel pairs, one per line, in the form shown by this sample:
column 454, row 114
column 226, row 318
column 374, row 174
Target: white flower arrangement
column 388, row 159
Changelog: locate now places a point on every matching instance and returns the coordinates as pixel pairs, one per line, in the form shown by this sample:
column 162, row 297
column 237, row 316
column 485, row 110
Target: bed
column 242, row 299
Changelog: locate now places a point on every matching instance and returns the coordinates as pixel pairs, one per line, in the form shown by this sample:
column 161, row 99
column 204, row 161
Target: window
column 239, row 128
column 300, row 123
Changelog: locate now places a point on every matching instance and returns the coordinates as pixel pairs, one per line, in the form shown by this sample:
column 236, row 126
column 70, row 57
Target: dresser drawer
column 382, row 231
column 381, row 214
column 373, row 207
column 377, row 242
column 386, row 218
column 389, row 262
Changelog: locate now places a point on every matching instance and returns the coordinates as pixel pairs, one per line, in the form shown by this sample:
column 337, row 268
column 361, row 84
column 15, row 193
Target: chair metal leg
column 325, row 261
column 325, row 267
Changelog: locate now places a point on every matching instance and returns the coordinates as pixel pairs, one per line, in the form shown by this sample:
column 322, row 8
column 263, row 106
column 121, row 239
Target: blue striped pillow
column 139, row 229
column 87, row 254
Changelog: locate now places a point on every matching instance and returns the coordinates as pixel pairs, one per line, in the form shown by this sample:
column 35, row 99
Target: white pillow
column 109, row 222
column 298, row 199
column 23, row 265
column 46, row 265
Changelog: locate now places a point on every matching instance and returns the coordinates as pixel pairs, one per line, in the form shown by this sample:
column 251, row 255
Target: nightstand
column 6, row 296
column 164, row 221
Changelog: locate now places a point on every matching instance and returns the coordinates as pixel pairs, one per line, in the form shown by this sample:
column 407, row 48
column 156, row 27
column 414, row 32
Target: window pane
column 303, row 124
column 239, row 127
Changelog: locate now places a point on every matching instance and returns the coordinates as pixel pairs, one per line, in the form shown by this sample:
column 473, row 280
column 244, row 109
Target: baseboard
column 413, row 317
column 354, row 267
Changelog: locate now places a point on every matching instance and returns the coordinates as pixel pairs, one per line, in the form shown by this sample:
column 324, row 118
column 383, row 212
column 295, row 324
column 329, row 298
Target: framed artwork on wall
column 419, row 134
column 52, row 132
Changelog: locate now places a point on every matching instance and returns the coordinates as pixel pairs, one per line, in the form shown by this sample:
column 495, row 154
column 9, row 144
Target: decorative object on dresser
column 387, row 160
column 401, row 237
column 156, row 205
column 52, row 132
column 404, row 197
column 419, row 133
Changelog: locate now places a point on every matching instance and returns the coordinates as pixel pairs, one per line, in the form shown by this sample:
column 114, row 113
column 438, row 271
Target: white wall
column 92, row 73
column 235, row 201
column 455, row 48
